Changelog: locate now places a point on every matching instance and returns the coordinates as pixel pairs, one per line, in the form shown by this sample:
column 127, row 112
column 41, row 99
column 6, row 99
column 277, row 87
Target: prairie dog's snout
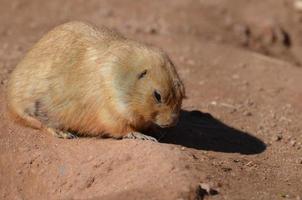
column 171, row 121
column 174, row 119
column 167, row 118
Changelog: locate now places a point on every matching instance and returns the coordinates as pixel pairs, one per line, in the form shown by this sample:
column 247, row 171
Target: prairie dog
column 94, row 82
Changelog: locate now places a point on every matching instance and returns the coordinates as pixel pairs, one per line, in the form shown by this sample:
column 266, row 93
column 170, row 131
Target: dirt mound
column 240, row 128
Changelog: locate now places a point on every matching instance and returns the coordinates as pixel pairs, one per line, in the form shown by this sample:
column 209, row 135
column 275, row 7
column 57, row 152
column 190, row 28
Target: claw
column 137, row 135
column 61, row 134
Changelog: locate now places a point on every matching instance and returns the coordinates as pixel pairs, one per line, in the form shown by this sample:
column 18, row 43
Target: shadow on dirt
column 202, row 131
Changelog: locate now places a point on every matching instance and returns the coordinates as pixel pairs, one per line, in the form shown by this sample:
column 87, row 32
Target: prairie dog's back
column 55, row 60
column 63, row 46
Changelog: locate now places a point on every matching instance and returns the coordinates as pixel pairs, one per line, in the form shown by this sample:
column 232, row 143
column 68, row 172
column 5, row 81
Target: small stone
column 243, row 32
column 250, row 164
column 226, row 169
column 249, row 103
column 214, row 103
column 152, row 30
column 285, row 195
column 205, row 186
column 247, row 113
column 233, row 110
column 277, row 138
column 89, row 182
column 206, row 189
column 293, row 143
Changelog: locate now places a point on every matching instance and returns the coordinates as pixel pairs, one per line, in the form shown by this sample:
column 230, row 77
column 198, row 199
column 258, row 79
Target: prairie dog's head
column 147, row 85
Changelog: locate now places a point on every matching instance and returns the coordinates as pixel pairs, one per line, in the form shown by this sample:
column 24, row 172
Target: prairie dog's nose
column 174, row 119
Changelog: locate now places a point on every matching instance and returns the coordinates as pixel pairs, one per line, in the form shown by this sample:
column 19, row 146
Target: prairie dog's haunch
column 94, row 82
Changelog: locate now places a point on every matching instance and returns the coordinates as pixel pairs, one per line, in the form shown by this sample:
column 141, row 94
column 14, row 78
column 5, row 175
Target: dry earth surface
column 240, row 132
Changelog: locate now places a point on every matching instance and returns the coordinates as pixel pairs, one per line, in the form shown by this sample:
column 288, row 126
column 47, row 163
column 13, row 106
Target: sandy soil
column 240, row 132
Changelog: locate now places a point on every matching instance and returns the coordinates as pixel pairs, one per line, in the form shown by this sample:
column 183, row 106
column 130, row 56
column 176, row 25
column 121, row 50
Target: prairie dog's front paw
column 137, row 135
column 61, row 134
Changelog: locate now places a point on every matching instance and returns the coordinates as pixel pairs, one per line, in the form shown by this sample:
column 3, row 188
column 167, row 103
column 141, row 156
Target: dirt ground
column 240, row 132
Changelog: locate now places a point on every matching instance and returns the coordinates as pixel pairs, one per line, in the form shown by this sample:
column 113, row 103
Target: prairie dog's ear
column 142, row 74
column 179, row 85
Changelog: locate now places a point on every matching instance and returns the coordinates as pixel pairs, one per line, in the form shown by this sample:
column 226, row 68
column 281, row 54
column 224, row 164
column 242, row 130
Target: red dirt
column 241, row 128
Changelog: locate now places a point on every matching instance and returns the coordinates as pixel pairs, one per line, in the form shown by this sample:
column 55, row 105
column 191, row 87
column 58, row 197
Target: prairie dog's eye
column 157, row 96
column 142, row 74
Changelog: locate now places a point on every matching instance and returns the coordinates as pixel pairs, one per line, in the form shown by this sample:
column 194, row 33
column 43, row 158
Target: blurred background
column 271, row 27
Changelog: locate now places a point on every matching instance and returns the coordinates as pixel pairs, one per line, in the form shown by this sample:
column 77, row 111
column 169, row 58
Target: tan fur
column 85, row 79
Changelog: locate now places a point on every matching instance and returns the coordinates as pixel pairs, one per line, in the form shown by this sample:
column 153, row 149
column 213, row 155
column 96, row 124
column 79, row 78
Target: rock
column 89, row 182
column 206, row 189
column 285, row 195
column 152, row 29
column 276, row 138
column 243, row 32
column 249, row 102
column 283, row 36
column 293, row 143
column 247, row 113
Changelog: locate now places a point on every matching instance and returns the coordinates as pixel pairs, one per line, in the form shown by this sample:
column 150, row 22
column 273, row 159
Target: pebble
column 206, row 189
column 277, row 138
column 243, row 32
column 249, row 102
column 151, row 30
column 247, row 113
column 233, row 110
column 285, row 195
column 249, row 164
column 89, row 182
column 214, row 103
column 293, row 143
